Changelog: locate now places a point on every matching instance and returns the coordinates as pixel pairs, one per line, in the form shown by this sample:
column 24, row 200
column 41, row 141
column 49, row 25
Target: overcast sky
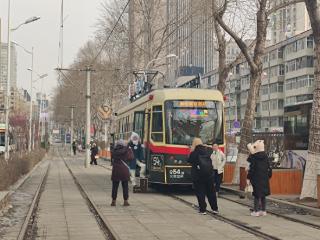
column 81, row 15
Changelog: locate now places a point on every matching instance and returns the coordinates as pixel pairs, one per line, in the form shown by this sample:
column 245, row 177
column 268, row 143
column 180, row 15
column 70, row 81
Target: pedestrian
column 136, row 147
column 74, row 147
column 218, row 161
column 94, row 154
column 122, row 155
column 258, row 175
column 203, row 175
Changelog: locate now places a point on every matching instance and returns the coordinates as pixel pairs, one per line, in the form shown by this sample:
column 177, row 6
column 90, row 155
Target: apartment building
column 287, row 80
column 4, row 66
column 289, row 21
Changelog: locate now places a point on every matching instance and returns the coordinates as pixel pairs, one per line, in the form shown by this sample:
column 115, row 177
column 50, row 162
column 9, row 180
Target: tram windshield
column 2, row 139
column 187, row 119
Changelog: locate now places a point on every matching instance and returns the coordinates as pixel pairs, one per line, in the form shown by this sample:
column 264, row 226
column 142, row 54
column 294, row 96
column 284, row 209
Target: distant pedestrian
column 135, row 165
column 218, row 161
column 94, row 154
column 203, row 175
column 258, row 175
column 74, row 147
column 122, row 155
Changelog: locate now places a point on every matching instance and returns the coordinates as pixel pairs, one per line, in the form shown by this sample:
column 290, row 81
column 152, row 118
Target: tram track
column 273, row 212
column 109, row 234
column 239, row 224
column 29, row 225
column 235, row 223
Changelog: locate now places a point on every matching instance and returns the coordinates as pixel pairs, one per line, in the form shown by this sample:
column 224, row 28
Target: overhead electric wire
column 106, row 41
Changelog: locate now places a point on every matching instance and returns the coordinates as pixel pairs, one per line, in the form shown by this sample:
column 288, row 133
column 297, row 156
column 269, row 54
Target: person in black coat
column 122, row 155
column 203, row 175
column 94, row 152
column 258, row 175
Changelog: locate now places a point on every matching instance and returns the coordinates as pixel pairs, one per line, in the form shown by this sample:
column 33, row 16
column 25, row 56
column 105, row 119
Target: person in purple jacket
column 121, row 155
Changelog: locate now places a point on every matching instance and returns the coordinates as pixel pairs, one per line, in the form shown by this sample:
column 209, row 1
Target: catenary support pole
column 71, row 135
column 8, row 87
column 87, row 161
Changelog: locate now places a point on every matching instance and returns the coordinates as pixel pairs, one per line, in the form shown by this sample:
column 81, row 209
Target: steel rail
column 273, row 212
column 30, row 220
column 232, row 222
column 107, row 230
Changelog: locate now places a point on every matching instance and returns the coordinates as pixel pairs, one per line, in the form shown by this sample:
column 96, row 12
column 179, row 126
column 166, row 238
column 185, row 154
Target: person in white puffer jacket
column 218, row 161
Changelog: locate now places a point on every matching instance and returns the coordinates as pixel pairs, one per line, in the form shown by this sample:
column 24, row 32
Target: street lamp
column 31, row 140
column 41, row 104
column 9, row 75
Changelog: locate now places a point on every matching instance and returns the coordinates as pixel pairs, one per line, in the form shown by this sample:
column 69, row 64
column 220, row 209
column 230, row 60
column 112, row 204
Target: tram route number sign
column 156, row 162
column 175, row 173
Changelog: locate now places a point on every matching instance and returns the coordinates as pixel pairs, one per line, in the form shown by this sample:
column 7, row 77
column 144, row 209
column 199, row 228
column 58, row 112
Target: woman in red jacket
column 121, row 155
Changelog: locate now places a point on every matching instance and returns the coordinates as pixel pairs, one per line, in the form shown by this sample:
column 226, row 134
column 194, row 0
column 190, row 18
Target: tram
column 2, row 139
column 167, row 120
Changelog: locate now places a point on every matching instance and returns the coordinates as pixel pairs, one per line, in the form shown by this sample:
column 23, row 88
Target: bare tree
column 262, row 9
column 255, row 64
column 309, row 188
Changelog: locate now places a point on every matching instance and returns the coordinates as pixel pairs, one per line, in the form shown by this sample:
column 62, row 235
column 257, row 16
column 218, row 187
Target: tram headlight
column 176, row 159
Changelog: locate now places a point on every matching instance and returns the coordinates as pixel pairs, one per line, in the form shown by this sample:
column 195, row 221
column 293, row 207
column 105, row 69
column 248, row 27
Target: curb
column 309, row 210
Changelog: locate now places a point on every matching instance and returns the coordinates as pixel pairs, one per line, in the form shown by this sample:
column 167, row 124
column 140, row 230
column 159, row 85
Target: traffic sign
column 104, row 112
column 236, row 124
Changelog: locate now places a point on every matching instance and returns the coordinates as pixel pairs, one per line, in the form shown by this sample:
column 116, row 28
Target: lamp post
column 41, row 103
column 9, row 75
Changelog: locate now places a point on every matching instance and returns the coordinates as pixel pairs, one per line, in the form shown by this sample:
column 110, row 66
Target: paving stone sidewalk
column 151, row 215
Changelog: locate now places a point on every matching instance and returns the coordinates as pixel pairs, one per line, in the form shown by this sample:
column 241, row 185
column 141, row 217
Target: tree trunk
column 223, row 68
column 309, row 188
column 246, row 129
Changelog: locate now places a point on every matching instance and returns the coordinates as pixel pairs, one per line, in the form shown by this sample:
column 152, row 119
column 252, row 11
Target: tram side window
column 139, row 123
column 157, row 130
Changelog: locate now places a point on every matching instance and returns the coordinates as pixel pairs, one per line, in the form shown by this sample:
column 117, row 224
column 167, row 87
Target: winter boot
column 113, row 203
column 126, row 203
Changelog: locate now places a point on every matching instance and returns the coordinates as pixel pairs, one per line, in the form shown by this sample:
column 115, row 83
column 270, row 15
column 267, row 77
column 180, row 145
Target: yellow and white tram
column 167, row 120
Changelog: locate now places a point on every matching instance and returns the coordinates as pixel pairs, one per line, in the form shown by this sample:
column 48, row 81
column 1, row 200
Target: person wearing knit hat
column 137, row 150
column 122, row 155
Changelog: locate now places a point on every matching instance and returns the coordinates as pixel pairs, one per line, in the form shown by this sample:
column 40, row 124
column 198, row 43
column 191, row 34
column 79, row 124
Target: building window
column 264, row 90
column 281, row 70
column 310, row 42
column 265, row 106
column 280, row 86
column 273, row 88
column 280, row 103
column 273, row 104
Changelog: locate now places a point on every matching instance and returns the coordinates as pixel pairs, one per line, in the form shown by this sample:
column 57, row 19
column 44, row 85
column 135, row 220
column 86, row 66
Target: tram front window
column 188, row 119
column 2, row 139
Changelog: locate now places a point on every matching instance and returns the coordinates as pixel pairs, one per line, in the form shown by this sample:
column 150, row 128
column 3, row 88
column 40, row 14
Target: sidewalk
column 63, row 213
column 151, row 215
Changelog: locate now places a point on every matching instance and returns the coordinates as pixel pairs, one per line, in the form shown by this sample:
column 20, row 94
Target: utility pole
column 88, row 121
column 71, row 135
column 88, row 70
column 30, row 146
column 6, row 156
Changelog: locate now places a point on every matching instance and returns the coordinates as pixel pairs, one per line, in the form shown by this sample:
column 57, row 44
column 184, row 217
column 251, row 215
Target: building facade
column 4, row 66
column 289, row 21
column 288, row 80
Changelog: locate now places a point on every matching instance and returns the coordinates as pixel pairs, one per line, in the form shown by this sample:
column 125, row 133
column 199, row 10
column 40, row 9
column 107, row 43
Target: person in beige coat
column 218, row 161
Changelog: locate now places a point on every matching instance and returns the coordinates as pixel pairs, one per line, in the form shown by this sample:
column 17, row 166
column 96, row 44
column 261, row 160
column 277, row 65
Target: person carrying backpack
column 203, row 175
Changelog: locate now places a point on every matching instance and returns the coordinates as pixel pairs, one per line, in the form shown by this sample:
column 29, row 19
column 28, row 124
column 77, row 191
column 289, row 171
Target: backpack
column 205, row 168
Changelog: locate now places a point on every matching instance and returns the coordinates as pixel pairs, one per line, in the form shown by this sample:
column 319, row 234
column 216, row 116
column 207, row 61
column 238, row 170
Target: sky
column 43, row 35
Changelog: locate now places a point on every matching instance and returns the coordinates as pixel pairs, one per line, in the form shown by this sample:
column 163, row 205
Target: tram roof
column 161, row 95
